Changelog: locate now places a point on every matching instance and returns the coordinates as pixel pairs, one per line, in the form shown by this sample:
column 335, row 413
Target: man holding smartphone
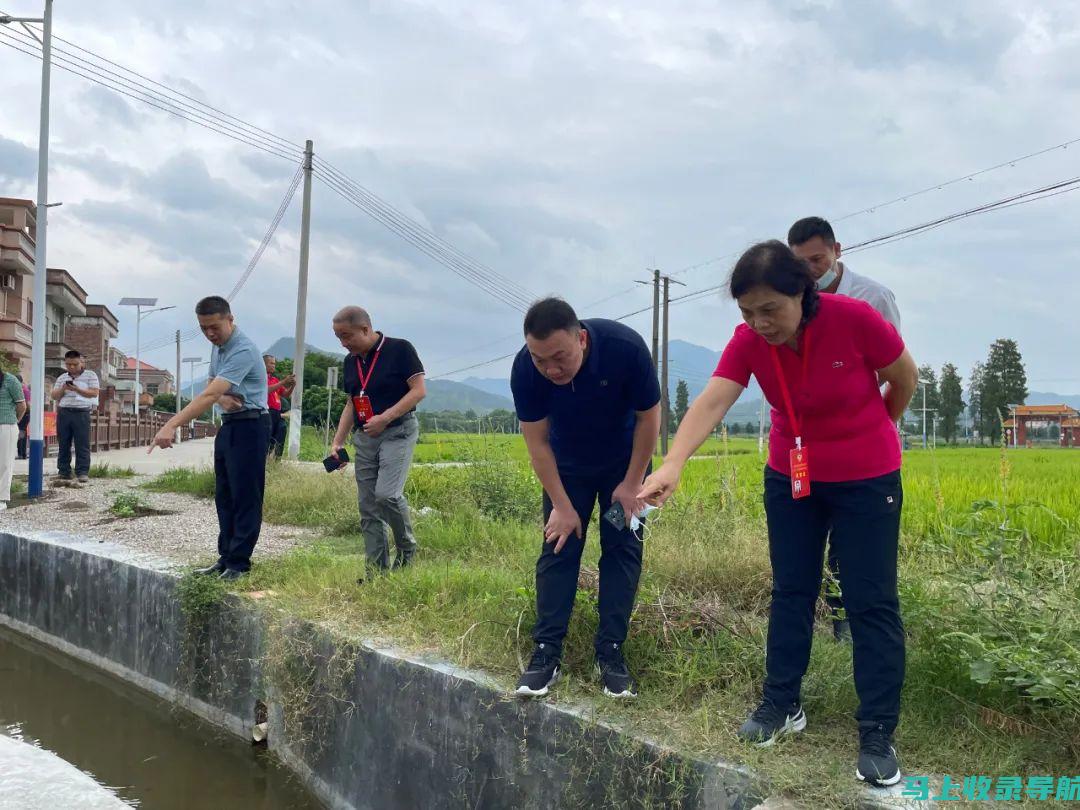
column 589, row 403
column 384, row 379
column 75, row 394
column 237, row 384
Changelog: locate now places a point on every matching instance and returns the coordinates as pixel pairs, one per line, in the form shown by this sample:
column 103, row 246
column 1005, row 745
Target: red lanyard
column 360, row 372
column 775, row 354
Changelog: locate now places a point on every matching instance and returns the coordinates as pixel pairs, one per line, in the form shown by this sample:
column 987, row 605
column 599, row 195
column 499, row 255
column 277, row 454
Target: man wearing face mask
column 813, row 241
column 588, row 400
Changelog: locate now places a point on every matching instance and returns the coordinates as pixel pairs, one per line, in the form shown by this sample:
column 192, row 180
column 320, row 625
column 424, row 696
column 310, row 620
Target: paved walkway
column 199, row 453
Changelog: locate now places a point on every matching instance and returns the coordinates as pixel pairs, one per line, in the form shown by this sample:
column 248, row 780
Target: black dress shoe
column 231, row 574
column 212, row 570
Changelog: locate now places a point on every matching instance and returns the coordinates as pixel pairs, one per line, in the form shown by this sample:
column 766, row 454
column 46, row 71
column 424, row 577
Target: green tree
column 315, row 366
column 167, row 403
column 734, row 429
column 315, row 399
column 682, row 401
column 751, row 428
column 928, row 380
column 950, row 401
column 974, row 392
column 1004, row 383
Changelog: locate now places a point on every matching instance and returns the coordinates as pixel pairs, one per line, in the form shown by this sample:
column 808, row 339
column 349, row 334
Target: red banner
column 50, row 423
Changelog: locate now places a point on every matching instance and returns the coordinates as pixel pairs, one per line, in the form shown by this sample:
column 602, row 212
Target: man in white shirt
column 812, row 239
column 75, row 393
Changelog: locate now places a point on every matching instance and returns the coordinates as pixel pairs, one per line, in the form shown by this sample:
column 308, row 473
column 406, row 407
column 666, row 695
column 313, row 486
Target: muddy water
column 131, row 744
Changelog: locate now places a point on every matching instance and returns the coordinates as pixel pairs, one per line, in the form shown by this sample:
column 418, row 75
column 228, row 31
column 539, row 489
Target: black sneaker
column 611, row 667
column 231, row 575
column 540, row 674
column 770, row 721
column 877, row 757
column 211, row 570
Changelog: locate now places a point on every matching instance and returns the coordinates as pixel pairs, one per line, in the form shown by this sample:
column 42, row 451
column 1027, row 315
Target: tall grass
column 990, row 593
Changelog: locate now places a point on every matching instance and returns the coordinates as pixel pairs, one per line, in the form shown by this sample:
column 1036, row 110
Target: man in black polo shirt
column 385, row 380
column 589, row 404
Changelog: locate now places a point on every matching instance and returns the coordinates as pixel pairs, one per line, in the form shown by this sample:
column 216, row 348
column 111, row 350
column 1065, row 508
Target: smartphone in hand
column 616, row 516
column 332, row 463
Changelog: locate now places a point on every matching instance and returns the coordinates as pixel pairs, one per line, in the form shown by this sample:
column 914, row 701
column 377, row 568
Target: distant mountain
column 688, row 361
column 493, row 385
column 447, row 395
column 283, row 347
column 1050, row 398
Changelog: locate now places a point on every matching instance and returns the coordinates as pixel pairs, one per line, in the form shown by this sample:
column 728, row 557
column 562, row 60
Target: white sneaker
column 3, row 505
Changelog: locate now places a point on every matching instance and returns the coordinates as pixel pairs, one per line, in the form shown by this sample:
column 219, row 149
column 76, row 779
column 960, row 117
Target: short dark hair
column 773, row 264
column 213, row 305
column 550, row 315
column 71, row 354
column 807, row 228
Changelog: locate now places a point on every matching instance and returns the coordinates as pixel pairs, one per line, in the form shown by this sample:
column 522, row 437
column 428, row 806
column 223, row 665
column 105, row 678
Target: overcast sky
column 569, row 146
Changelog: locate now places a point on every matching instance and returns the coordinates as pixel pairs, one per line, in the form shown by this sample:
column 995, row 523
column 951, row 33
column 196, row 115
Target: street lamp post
column 38, row 336
column 139, row 303
column 192, row 362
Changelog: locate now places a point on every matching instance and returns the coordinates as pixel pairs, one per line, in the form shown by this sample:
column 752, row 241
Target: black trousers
column 277, row 434
column 864, row 517
column 240, row 478
column 557, row 574
column 24, row 428
column 73, row 428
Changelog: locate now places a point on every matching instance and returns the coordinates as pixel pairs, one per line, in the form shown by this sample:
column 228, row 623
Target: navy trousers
column 557, row 574
column 240, row 478
column 864, row 517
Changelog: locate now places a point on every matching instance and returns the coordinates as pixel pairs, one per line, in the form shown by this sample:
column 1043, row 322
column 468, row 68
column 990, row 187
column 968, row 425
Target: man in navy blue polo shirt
column 589, row 404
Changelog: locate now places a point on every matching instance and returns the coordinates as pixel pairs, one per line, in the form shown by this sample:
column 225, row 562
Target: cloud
column 569, row 147
column 17, row 162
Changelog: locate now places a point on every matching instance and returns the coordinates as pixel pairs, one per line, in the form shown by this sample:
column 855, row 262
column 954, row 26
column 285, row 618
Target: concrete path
column 199, row 453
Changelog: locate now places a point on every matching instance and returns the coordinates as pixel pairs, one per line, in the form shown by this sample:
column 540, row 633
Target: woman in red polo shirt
column 834, row 463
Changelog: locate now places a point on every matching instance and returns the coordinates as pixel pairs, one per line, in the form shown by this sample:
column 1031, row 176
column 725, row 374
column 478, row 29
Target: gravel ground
column 187, row 533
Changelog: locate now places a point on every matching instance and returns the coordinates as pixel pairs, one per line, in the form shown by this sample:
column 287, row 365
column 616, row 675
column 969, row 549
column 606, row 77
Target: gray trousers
column 382, row 465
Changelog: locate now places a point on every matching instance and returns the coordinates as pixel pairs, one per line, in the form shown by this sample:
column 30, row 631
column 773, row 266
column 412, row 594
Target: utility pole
column 655, row 316
column 191, row 361
column 665, row 407
column 179, row 431
column 331, row 385
column 296, row 417
column 761, row 426
column 38, row 337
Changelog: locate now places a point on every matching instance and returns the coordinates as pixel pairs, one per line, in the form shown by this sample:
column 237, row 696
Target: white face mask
column 829, row 277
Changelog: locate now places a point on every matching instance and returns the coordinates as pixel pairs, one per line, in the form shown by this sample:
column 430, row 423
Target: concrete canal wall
column 362, row 725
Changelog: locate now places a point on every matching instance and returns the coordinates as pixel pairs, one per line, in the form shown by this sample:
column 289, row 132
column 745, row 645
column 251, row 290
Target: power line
column 904, row 198
column 1022, row 198
column 445, row 248
column 179, row 97
column 145, row 96
column 161, row 343
column 425, row 241
column 425, row 245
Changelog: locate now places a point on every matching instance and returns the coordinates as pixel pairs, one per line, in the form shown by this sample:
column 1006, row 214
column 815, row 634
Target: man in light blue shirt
column 238, row 385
